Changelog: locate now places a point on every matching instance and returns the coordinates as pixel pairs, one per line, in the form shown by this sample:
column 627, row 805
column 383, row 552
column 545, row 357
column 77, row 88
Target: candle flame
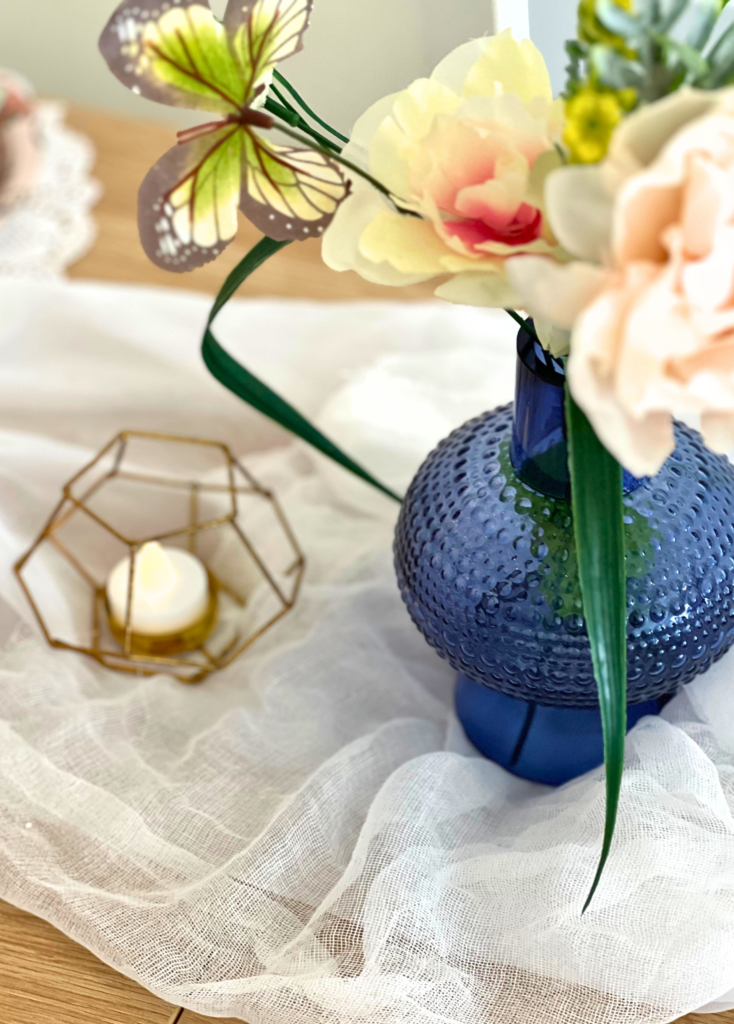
column 155, row 575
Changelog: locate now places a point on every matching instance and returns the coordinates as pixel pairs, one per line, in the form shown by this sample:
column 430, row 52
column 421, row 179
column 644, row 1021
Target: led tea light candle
column 173, row 604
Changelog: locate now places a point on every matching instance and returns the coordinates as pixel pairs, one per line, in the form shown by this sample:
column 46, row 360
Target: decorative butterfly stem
column 291, row 116
column 304, row 106
column 338, row 158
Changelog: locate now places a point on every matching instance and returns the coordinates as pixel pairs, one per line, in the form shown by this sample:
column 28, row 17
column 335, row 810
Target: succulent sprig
column 651, row 46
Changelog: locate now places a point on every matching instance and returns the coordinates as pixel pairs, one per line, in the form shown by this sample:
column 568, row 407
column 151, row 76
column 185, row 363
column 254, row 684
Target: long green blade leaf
column 254, row 259
column 246, row 386
column 596, row 490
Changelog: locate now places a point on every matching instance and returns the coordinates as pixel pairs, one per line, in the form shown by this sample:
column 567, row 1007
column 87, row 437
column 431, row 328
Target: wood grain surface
column 45, row 978
column 125, row 152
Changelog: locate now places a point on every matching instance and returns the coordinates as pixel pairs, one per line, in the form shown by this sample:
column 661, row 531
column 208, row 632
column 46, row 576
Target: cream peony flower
column 468, row 151
column 650, row 299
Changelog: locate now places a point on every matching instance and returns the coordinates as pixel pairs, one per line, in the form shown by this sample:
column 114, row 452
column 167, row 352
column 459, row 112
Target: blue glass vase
column 486, row 564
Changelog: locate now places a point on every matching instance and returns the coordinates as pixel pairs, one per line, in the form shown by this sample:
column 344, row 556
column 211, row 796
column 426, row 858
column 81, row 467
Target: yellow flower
column 591, row 29
column 591, row 116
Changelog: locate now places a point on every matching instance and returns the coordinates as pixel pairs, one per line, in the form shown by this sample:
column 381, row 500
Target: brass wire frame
column 202, row 660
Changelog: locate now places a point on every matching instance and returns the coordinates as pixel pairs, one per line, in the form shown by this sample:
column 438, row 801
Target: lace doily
column 51, row 227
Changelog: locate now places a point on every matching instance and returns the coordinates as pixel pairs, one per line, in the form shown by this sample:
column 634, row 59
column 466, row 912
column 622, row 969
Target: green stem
column 302, row 103
column 286, row 114
column 284, row 100
column 339, row 159
column 293, row 118
column 525, row 324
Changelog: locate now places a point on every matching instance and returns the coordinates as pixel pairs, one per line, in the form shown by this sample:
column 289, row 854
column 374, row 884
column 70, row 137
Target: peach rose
column 650, row 300
column 468, row 151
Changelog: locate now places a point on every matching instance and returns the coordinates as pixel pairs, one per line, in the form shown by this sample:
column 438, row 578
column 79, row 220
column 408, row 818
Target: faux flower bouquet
column 607, row 214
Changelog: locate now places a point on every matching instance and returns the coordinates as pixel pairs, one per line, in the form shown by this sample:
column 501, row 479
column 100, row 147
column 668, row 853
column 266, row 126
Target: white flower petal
column 340, row 248
column 640, row 137
column 357, row 148
column 718, row 431
column 553, row 291
column 579, row 207
column 397, row 139
column 454, row 68
column 485, row 289
column 557, row 340
column 494, row 66
column 509, row 66
column 641, row 443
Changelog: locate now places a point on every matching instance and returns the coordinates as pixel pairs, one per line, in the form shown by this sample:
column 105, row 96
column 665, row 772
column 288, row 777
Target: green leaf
column 721, row 61
column 614, row 70
column 254, row 259
column 696, row 23
column 671, row 10
column 691, row 59
column 576, row 54
column 596, row 492
column 575, row 49
column 250, row 389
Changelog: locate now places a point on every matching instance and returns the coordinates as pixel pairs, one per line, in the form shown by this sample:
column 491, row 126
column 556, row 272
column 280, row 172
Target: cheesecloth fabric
column 307, row 837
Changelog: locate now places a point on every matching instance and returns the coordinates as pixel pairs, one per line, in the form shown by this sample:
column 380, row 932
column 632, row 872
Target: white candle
column 170, row 591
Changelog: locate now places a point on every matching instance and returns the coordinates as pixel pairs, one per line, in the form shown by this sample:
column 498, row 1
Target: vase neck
column 539, row 451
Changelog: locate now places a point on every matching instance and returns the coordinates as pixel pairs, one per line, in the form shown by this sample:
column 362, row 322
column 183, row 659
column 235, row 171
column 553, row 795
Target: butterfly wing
column 187, row 204
column 179, row 56
column 288, row 192
column 264, row 32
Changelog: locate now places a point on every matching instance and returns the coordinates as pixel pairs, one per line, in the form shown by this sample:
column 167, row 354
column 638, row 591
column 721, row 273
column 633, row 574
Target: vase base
column 551, row 745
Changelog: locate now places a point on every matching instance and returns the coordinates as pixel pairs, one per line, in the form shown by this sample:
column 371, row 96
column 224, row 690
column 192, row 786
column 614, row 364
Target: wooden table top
column 125, row 152
column 45, row 978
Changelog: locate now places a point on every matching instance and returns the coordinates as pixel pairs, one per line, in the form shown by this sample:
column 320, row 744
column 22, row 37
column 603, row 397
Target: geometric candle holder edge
column 251, row 594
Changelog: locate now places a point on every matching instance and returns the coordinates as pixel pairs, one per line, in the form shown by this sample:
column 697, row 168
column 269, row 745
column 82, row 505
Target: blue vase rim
column 538, row 360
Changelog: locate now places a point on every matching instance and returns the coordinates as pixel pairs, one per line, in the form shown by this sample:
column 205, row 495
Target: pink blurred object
column 18, row 140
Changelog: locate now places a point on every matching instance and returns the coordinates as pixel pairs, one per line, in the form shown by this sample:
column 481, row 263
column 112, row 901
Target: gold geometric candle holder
column 185, row 493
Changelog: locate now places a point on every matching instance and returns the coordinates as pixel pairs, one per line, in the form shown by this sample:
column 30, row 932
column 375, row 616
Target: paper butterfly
column 177, row 52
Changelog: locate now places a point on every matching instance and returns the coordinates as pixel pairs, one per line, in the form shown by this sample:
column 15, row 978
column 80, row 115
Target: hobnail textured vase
column 486, row 564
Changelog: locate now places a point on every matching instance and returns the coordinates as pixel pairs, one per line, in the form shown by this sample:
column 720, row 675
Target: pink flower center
column 474, row 232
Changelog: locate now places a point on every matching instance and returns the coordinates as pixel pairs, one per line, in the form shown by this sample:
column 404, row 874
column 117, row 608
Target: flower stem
column 304, row 106
column 525, row 324
column 293, row 118
column 338, row 158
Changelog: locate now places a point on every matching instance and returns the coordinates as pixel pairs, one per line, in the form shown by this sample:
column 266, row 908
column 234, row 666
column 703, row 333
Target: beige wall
column 357, row 50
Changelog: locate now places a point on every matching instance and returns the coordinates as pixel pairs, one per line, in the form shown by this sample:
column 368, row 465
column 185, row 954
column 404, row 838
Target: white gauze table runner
column 307, row 837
